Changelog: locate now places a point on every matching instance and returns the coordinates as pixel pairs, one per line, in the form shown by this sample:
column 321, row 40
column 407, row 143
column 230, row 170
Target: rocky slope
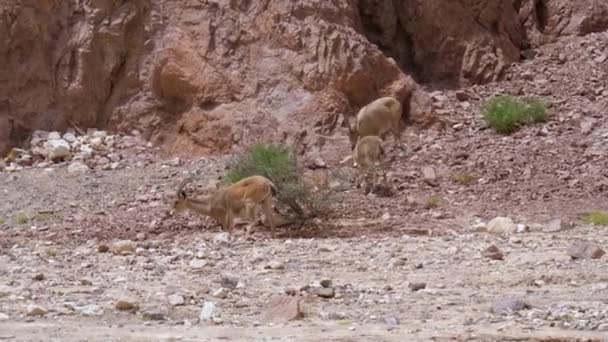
column 206, row 76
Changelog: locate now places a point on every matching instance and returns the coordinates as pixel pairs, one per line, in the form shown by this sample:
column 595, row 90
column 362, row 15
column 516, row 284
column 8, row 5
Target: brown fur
column 229, row 201
column 377, row 118
column 368, row 151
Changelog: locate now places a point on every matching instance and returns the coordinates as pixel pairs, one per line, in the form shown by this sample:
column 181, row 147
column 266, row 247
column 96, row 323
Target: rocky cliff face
column 204, row 76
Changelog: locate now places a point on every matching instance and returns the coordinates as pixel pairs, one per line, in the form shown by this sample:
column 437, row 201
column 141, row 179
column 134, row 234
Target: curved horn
column 180, row 187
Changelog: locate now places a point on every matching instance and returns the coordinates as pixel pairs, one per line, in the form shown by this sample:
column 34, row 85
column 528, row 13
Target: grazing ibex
column 368, row 151
column 376, row 118
column 230, row 201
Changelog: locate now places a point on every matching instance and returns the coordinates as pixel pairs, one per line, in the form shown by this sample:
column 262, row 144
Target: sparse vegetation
column 41, row 217
column 2, row 220
column 596, row 218
column 279, row 164
column 432, row 201
column 505, row 113
column 465, row 178
column 21, row 218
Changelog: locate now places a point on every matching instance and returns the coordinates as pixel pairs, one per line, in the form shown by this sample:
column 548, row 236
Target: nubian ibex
column 376, row 118
column 228, row 202
column 368, row 152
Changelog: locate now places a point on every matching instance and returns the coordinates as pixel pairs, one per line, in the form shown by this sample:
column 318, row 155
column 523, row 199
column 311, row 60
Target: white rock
column 220, row 293
column 501, row 225
column 208, row 312
column 3, row 317
column 176, row 300
column 89, row 310
column 222, row 238
column 78, row 166
column 57, row 149
column 69, row 137
column 96, row 143
column 53, row 136
column 100, row 134
column 198, row 264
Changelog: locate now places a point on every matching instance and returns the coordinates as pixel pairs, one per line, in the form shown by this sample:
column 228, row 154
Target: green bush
column 506, row 114
column 279, row 164
column 596, row 218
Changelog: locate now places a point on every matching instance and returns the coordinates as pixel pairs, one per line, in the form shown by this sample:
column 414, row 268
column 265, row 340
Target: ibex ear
column 182, row 194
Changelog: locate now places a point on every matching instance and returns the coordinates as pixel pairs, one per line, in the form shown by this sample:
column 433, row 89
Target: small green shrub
column 506, row 114
column 21, row 218
column 464, row 178
column 278, row 163
column 596, row 218
column 432, row 202
column 2, row 220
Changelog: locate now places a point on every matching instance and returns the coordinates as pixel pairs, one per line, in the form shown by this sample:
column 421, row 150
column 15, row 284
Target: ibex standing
column 229, row 201
column 377, row 118
column 368, row 151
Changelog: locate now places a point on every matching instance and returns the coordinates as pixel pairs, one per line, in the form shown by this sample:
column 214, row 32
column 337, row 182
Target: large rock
column 57, row 149
column 545, row 21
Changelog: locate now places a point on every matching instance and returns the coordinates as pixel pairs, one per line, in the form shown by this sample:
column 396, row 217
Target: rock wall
column 202, row 76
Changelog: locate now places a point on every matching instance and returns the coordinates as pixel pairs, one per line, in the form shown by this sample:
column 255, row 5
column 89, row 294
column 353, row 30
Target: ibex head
column 180, row 203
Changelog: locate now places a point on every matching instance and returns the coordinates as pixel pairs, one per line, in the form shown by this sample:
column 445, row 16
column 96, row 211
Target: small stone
column 222, row 238
column 416, row 286
column 36, row 310
column 3, row 317
column 587, row 125
column 283, row 308
column 509, row 305
column 126, row 305
column 493, row 253
column 585, row 250
column 69, row 137
column 78, row 166
column 275, row 265
column 391, row 320
column 89, row 310
column 54, row 135
column 103, row 248
column 197, row 264
column 462, row 95
column 38, row 277
column 290, row 291
column 153, row 314
column 428, row 175
column 57, row 149
column 123, row 247
column 229, row 281
column 221, row 293
column 208, row 312
column 325, row 282
column 557, row 225
column 323, row 292
column 176, row 300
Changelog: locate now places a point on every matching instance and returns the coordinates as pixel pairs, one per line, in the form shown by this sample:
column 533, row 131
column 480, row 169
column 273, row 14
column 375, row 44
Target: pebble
column 3, row 317
column 197, row 264
column 229, row 281
column 221, row 293
column 126, row 305
column 509, row 305
column 176, row 300
column 77, row 166
column 323, row 292
column 417, row 286
column 493, row 253
column 275, row 265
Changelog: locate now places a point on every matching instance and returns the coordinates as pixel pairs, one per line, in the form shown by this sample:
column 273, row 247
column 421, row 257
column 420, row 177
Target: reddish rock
column 284, row 308
column 493, row 253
